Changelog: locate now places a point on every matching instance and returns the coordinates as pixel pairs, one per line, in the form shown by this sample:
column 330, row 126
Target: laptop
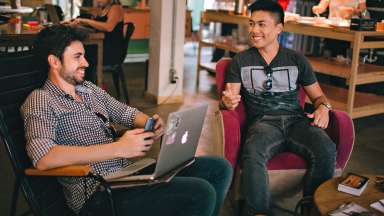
column 177, row 151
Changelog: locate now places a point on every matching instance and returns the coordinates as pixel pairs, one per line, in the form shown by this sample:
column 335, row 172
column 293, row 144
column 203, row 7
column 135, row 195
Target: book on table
column 352, row 209
column 378, row 205
column 353, row 184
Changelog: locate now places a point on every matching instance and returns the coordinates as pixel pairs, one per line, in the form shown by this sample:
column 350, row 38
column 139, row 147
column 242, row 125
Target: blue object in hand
column 149, row 125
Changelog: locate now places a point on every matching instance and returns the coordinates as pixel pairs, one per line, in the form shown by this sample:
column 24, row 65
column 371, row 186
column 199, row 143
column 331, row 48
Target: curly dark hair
column 269, row 6
column 53, row 40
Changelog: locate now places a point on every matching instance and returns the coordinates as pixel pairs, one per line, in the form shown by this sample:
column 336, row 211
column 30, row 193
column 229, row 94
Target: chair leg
column 116, row 82
column 305, row 205
column 146, row 74
column 15, row 197
column 123, row 83
column 108, row 190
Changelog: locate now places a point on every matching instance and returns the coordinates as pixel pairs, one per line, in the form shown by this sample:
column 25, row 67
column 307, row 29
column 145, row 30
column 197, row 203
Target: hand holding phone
column 149, row 125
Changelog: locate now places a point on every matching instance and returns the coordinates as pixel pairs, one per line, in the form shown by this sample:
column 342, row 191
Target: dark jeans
column 272, row 135
column 198, row 190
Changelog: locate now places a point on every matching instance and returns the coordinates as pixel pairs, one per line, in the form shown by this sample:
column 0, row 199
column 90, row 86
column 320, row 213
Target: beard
column 78, row 82
column 74, row 81
column 71, row 78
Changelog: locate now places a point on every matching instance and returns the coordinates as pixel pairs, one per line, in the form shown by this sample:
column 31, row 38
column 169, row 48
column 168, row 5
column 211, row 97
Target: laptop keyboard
column 131, row 169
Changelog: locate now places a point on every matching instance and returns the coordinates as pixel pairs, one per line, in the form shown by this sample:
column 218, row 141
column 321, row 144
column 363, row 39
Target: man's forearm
column 323, row 5
column 61, row 155
column 140, row 120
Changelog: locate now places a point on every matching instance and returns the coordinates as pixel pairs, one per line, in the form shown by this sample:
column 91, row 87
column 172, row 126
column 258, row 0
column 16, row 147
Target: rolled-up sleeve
column 39, row 126
column 119, row 112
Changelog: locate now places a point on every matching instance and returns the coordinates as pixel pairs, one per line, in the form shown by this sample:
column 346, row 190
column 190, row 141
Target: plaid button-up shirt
column 52, row 117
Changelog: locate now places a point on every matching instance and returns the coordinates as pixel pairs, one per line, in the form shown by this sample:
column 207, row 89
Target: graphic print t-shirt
column 289, row 70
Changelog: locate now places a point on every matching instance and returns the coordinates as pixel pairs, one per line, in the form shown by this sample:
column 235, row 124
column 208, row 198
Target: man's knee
column 203, row 196
column 326, row 149
column 226, row 169
column 320, row 143
column 219, row 164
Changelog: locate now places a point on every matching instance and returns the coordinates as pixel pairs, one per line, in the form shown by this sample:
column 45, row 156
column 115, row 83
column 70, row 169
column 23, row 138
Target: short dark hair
column 269, row 6
column 53, row 40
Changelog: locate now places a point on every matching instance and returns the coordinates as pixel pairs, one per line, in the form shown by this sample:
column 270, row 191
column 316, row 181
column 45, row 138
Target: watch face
column 327, row 105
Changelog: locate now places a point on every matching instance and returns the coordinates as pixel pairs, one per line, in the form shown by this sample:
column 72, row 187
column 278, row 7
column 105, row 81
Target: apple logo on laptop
column 184, row 138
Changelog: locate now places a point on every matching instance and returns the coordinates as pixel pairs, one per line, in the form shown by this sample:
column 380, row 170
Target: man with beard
column 268, row 76
column 68, row 122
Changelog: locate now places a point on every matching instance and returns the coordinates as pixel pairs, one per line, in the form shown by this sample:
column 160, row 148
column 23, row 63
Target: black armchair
column 40, row 188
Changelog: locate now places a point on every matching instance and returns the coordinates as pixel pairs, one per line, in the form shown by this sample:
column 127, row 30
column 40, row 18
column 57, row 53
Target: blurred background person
column 344, row 9
column 339, row 9
column 108, row 18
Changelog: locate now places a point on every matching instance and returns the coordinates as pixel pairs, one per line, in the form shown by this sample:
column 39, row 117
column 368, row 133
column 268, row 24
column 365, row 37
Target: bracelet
column 327, row 105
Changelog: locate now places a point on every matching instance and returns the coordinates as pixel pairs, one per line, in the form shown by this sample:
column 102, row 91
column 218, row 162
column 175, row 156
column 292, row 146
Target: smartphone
column 149, row 125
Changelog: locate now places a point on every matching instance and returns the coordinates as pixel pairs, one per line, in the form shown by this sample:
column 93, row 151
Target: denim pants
column 272, row 135
column 198, row 190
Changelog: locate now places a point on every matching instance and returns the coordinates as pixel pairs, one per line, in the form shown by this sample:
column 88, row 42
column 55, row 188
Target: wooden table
column 18, row 35
column 327, row 198
column 357, row 104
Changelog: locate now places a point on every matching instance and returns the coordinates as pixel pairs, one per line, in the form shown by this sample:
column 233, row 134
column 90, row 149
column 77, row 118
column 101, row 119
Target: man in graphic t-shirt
column 267, row 77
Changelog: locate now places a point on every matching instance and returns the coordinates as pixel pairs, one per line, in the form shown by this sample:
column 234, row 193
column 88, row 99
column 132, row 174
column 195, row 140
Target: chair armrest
column 229, row 134
column 341, row 131
column 76, row 170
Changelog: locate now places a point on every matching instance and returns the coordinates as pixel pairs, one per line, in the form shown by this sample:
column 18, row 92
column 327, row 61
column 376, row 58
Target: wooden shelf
column 320, row 31
column 365, row 104
column 224, row 43
column 224, row 17
column 357, row 104
column 367, row 73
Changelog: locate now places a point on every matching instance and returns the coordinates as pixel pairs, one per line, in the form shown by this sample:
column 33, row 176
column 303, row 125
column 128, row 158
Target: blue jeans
column 272, row 135
column 198, row 190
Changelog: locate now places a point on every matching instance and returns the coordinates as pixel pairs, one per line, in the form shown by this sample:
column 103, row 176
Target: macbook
column 178, row 148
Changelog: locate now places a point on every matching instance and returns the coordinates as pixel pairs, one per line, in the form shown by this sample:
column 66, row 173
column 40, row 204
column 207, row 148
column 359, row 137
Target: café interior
column 174, row 56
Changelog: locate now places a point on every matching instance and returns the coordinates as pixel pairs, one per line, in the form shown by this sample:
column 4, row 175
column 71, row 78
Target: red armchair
column 285, row 170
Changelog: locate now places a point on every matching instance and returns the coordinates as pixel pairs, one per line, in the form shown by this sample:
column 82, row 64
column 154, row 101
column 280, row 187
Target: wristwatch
column 327, row 105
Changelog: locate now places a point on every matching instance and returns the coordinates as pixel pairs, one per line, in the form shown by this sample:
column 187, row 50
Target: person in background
column 109, row 18
column 68, row 122
column 267, row 77
column 226, row 30
column 344, row 9
column 339, row 9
